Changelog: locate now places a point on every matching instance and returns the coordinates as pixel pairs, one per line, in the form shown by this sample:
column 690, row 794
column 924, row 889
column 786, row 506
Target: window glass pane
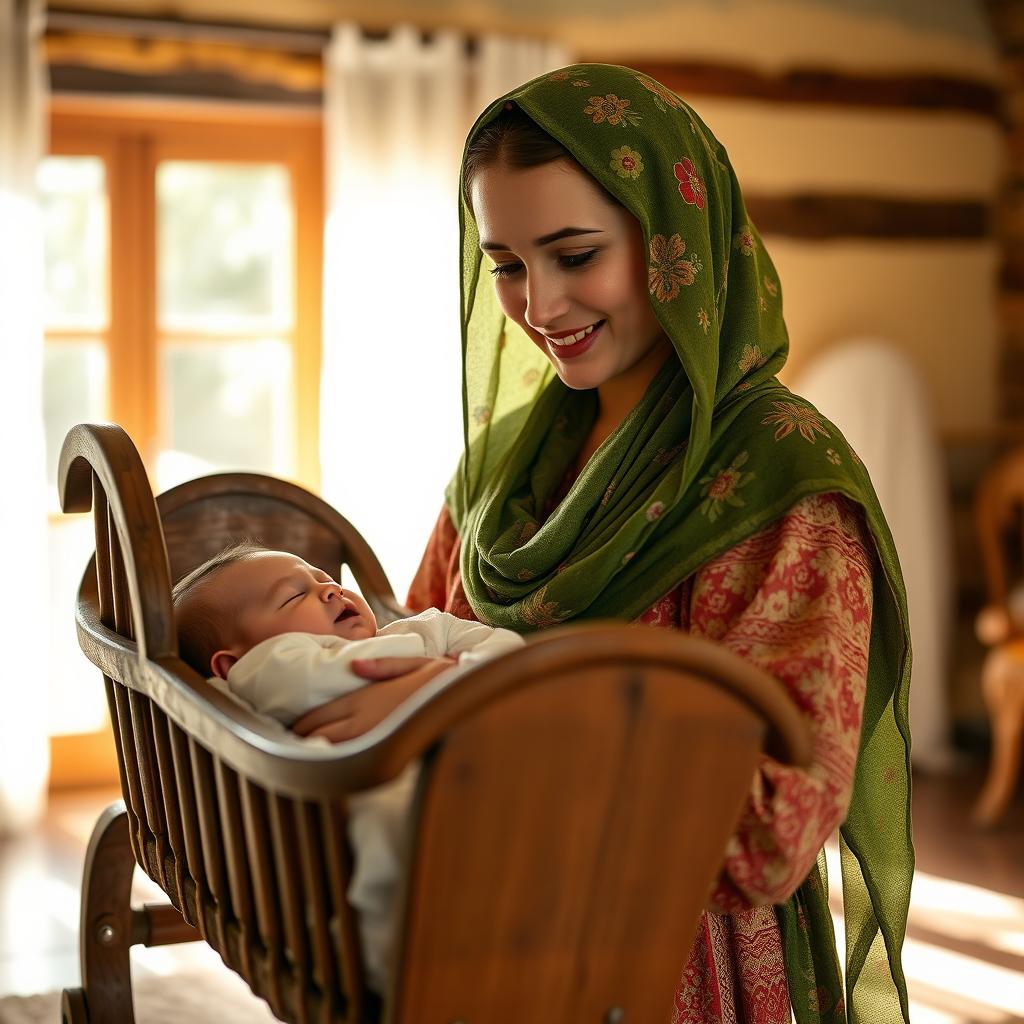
column 77, row 701
column 74, row 391
column 74, row 202
column 225, row 247
column 226, row 406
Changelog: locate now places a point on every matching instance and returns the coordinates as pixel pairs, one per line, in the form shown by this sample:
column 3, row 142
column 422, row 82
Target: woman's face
column 570, row 269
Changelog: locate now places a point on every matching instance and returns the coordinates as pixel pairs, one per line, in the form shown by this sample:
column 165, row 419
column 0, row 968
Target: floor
column 964, row 955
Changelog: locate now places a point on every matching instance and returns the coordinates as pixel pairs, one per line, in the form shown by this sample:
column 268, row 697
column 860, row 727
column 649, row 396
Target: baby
column 280, row 635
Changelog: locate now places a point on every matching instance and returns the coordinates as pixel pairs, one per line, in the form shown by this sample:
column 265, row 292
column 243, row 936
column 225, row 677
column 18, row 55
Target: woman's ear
column 221, row 662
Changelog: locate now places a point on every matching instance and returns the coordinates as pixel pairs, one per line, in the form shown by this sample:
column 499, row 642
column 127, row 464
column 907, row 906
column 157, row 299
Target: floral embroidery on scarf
column 744, row 241
column 663, row 98
column 790, row 416
column 691, row 185
column 482, row 415
column 668, row 269
column 833, row 456
column 628, row 557
column 581, row 83
column 771, row 286
column 540, row 613
column 612, row 109
column 703, row 319
column 559, row 76
column 719, row 487
column 751, row 359
column 654, row 511
column 762, row 306
column 626, row 162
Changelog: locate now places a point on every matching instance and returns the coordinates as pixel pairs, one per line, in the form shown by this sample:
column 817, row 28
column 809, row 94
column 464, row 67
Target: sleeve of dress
column 794, row 599
column 430, row 585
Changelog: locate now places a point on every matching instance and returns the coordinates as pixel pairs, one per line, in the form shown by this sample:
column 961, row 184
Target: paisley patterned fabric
column 794, row 599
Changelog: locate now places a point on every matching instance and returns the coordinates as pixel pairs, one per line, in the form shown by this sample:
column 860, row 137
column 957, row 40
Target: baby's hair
column 202, row 624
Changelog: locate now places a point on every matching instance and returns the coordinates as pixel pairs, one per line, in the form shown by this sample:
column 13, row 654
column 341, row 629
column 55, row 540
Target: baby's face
column 276, row 592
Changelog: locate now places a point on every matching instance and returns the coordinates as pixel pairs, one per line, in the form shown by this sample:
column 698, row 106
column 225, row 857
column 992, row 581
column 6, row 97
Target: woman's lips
column 577, row 348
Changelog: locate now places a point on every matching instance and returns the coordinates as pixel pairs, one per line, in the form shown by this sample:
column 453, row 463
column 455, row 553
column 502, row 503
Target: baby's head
column 247, row 594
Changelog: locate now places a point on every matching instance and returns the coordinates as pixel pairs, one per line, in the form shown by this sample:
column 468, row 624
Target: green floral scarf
column 715, row 451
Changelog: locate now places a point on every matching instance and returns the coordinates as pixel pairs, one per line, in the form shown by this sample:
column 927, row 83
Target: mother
column 630, row 454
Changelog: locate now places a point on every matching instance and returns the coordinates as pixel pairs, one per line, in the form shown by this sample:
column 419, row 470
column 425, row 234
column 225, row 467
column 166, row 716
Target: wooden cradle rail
column 571, row 814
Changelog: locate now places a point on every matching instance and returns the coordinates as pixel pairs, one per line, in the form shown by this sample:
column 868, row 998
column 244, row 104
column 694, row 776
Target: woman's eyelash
column 504, row 270
column 578, row 259
column 570, row 262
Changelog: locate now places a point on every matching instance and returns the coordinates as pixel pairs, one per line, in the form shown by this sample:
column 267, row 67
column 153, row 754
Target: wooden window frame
column 132, row 136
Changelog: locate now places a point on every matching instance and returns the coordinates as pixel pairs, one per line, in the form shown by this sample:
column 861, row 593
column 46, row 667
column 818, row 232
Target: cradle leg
column 72, row 1007
column 105, row 931
column 1003, row 685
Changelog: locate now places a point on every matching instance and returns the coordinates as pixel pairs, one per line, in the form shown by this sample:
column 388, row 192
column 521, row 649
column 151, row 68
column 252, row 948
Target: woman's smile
column 570, row 344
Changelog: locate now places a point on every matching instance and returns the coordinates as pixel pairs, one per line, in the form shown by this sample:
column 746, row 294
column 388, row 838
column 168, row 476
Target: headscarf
column 716, row 450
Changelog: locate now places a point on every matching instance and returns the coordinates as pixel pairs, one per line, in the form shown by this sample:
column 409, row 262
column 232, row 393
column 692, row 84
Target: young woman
column 630, row 454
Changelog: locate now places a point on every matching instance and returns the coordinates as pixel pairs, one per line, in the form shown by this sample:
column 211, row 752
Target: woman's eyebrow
column 544, row 239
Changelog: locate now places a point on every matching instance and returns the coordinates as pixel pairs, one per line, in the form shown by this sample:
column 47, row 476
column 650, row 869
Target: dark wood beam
column 828, row 87
column 831, row 215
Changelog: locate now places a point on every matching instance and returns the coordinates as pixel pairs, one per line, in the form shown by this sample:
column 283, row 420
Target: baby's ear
column 221, row 662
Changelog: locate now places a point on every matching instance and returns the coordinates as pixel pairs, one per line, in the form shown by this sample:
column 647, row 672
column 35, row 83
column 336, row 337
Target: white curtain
column 397, row 113
column 872, row 392
column 23, row 506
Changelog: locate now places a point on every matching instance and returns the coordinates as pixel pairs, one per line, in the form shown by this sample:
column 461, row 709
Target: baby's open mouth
column 346, row 613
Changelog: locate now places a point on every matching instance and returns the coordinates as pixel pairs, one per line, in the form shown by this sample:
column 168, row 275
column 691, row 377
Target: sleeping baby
column 281, row 636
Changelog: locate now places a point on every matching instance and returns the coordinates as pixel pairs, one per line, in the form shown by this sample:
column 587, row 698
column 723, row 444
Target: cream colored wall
column 934, row 300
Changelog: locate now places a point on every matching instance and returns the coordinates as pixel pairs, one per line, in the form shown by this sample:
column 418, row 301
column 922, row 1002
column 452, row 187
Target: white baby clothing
column 287, row 675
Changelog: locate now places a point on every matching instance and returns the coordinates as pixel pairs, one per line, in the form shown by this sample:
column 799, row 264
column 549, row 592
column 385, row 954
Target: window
column 183, row 262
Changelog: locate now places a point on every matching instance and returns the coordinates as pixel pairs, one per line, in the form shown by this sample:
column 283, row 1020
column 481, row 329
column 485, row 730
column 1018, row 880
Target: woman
column 630, row 454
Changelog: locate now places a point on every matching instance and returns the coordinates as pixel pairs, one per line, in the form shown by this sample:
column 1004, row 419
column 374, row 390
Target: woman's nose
column 546, row 301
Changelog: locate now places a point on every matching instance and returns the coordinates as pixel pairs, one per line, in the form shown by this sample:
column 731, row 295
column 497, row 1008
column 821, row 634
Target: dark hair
column 201, row 623
column 514, row 139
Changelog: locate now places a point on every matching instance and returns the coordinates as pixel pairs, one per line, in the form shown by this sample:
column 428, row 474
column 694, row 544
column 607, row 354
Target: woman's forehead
column 529, row 203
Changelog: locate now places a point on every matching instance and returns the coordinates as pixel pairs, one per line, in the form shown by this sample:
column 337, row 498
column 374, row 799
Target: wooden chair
column 999, row 519
column 573, row 807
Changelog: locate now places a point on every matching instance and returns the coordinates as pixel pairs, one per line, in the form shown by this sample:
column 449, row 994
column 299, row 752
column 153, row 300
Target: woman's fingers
column 332, row 711
column 387, row 668
column 336, row 732
column 353, row 714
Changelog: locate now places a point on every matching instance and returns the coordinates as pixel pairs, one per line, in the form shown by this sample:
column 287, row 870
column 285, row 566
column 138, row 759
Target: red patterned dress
column 794, row 599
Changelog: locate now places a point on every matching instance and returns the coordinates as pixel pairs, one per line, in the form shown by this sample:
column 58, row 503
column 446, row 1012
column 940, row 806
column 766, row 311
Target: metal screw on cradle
column 616, row 1015
column 106, row 934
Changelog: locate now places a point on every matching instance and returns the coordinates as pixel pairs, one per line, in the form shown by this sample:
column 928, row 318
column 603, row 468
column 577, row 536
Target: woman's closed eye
column 570, row 261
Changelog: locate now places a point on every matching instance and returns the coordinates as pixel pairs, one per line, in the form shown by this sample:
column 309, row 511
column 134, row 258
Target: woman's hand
column 393, row 680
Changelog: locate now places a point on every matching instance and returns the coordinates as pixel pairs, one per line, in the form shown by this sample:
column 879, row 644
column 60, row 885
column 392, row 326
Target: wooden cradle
column 571, row 816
